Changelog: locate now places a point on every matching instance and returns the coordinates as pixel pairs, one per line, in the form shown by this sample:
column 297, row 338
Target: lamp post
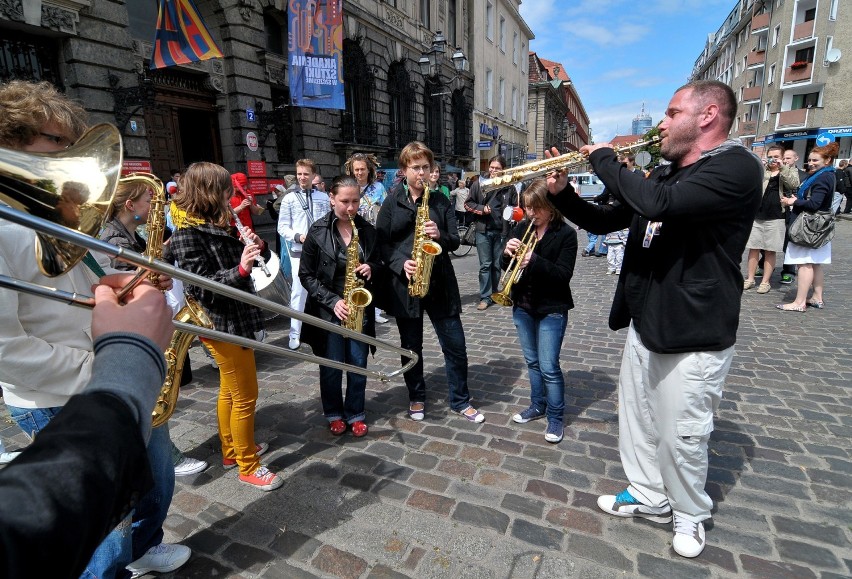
column 431, row 63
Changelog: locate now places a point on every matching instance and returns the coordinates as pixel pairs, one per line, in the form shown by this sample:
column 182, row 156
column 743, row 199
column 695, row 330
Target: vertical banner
column 316, row 54
column 181, row 36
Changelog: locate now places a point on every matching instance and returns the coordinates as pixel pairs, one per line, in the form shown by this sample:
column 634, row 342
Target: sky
column 621, row 53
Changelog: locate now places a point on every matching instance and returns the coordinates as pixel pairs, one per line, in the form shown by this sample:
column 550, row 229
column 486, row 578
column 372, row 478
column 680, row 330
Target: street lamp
column 430, row 64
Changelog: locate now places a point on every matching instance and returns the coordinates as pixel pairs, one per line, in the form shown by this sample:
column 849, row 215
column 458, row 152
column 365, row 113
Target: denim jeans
column 596, row 240
column 334, row 407
column 119, row 549
column 489, row 248
column 451, row 338
column 541, row 340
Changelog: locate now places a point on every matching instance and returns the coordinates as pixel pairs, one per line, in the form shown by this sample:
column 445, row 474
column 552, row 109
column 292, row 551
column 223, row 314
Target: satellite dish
column 643, row 158
column 833, row 55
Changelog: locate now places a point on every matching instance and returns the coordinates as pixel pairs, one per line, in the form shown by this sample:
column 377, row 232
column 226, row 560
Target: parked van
column 587, row 185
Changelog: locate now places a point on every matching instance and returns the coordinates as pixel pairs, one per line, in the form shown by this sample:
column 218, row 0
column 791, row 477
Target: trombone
column 36, row 183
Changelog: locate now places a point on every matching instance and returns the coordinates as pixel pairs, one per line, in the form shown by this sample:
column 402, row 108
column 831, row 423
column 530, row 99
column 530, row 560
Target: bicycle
column 463, row 248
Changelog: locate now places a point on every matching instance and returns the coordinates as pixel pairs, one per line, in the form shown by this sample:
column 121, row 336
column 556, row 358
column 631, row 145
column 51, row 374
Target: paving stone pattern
column 448, row 498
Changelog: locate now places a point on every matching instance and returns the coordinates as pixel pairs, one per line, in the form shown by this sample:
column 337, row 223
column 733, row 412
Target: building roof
column 621, row 140
column 556, row 70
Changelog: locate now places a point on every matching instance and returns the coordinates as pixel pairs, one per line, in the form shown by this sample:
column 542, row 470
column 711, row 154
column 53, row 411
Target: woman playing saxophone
column 339, row 258
column 541, row 299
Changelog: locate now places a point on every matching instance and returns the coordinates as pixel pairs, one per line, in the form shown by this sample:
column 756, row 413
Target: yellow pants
column 236, row 404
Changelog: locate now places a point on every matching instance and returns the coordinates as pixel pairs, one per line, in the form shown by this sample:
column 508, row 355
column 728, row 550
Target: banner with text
column 316, row 54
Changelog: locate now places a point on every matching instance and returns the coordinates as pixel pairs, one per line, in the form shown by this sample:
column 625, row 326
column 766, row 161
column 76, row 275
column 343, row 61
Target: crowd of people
column 675, row 237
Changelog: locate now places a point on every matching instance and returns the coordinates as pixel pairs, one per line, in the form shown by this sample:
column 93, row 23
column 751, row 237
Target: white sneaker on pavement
column 161, row 558
column 688, row 537
column 294, row 343
column 7, row 457
column 380, row 319
column 189, row 466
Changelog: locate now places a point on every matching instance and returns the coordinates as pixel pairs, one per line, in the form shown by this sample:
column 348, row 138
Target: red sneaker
column 337, row 427
column 232, row 462
column 359, row 428
column 263, row 479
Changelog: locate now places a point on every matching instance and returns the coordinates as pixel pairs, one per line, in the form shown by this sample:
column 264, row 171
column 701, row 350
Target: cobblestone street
column 448, row 498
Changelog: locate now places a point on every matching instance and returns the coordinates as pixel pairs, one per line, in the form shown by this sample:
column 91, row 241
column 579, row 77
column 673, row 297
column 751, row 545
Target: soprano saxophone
column 424, row 251
column 357, row 297
column 191, row 313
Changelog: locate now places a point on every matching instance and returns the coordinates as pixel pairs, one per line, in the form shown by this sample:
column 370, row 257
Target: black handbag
column 812, row 230
column 470, row 235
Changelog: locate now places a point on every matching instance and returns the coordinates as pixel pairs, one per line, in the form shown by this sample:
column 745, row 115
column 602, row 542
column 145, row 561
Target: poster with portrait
column 316, row 54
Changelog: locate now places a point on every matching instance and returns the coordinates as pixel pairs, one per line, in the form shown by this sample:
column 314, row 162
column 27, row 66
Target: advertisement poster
column 316, row 54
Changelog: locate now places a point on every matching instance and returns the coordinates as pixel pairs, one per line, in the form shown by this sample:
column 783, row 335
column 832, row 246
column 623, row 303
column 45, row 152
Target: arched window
column 461, row 124
column 275, row 29
column 402, row 102
column 357, row 124
column 433, row 110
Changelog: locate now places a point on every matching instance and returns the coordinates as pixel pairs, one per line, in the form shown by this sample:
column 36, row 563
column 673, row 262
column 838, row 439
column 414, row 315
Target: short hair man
column 679, row 293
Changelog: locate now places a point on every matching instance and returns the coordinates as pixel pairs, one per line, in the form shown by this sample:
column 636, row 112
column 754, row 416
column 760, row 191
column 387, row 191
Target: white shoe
column 688, row 537
column 162, row 558
column 261, row 335
column 380, row 319
column 189, row 466
column 294, row 343
column 7, row 457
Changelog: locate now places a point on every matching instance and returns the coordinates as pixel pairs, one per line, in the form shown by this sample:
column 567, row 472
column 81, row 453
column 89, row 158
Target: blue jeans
column 334, row 407
column 596, row 240
column 118, row 549
column 541, row 340
column 451, row 338
column 488, row 247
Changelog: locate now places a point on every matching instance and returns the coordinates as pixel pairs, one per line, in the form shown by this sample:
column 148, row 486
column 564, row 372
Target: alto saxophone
column 424, row 251
column 191, row 313
column 357, row 297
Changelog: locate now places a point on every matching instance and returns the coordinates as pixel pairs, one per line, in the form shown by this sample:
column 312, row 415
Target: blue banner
column 316, row 54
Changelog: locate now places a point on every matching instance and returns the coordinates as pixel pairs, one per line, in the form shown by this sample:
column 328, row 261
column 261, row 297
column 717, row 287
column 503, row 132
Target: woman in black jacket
column 541, row 300
column 323, row 273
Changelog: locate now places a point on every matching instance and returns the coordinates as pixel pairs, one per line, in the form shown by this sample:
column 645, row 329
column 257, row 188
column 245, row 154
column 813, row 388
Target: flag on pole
column 181, row 36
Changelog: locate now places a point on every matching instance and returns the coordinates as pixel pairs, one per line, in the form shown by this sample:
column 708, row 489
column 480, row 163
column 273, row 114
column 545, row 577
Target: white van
column 587, row 185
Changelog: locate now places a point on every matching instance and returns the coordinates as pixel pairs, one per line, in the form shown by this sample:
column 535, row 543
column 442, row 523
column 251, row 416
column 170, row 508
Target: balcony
column 757, row 57
column 803, row 74
column 760, row 21
column 803, row 31
column 748, row 128
column 792, row 119
column 751, row 94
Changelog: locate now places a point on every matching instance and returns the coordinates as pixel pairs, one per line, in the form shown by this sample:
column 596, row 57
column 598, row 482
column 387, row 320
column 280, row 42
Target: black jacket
column 316, row 271
column 395, row 228
column 550, row 269
column 683, row 292
column 819, row 195
column 497, row 200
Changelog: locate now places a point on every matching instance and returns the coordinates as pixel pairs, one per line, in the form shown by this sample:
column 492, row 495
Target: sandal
column 417, row 410
column 764, row 288
column 790, row 308
column 337, row 427
column 816, row 304
column 472, row 414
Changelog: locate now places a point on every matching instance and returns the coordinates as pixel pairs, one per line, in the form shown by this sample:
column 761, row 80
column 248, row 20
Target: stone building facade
column 98, row 52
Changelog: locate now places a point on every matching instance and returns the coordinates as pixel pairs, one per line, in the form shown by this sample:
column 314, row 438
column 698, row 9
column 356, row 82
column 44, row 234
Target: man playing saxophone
column 397, row 224
column 339, row 258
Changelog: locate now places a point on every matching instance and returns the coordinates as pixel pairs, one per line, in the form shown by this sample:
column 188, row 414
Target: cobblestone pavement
column 447, row 498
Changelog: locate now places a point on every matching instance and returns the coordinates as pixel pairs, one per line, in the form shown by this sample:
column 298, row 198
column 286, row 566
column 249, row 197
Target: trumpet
column 561, row 163
column 513, row 271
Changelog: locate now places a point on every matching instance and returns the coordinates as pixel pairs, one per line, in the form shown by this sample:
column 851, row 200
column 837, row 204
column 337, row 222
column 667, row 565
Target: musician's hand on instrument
column 526, row 261
column 589, row 149
column 364, row 271
column 144, row 311
column 409, row 267
column 250, row 253
column 512, row 246
column 487, row 210
column 164, row 282
column 341, row 310
column 431, row 229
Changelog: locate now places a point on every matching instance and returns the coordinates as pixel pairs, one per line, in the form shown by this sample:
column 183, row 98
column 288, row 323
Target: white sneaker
column 688, row 537
column 294, row 343
column 162, row 558
column 261, row 335
column 189, row 466
column 7, row 457
column 380, row 319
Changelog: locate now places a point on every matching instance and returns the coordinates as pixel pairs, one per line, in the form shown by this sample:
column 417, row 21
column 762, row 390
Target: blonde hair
column 26, row 107
column 126, row 191
column 536, row 197
column 202, row 194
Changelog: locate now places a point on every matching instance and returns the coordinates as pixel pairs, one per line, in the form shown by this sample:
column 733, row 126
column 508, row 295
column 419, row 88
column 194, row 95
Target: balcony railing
column 751, row 94
column 748, row 128
column 756, row 57
column 798, row 74
column 760, row 21
column 792, row 119
column 803, row 30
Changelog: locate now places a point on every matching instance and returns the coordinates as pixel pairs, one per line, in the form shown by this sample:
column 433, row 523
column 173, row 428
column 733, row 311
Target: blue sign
column 250, row 117
column 531, row 156
column 823, row 139
column 485, row 144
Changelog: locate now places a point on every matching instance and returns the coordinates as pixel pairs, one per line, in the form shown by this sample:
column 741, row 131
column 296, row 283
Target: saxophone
column 356, row 296
column 191, row 313
column 424, row 251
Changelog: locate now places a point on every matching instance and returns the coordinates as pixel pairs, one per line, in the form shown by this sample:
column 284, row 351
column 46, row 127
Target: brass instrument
column 356, row 295
column 424, row 251
column 538, row 168
column 32, row 186
column 513, row 272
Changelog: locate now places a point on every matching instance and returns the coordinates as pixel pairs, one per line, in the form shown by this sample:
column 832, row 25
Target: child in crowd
column 615, row 242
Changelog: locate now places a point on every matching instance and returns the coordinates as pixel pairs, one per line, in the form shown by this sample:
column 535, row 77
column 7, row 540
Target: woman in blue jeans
column 541, row 300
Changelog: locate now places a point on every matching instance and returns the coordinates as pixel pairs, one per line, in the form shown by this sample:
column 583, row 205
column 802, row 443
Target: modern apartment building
column 500, row 41
column 790, row 65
